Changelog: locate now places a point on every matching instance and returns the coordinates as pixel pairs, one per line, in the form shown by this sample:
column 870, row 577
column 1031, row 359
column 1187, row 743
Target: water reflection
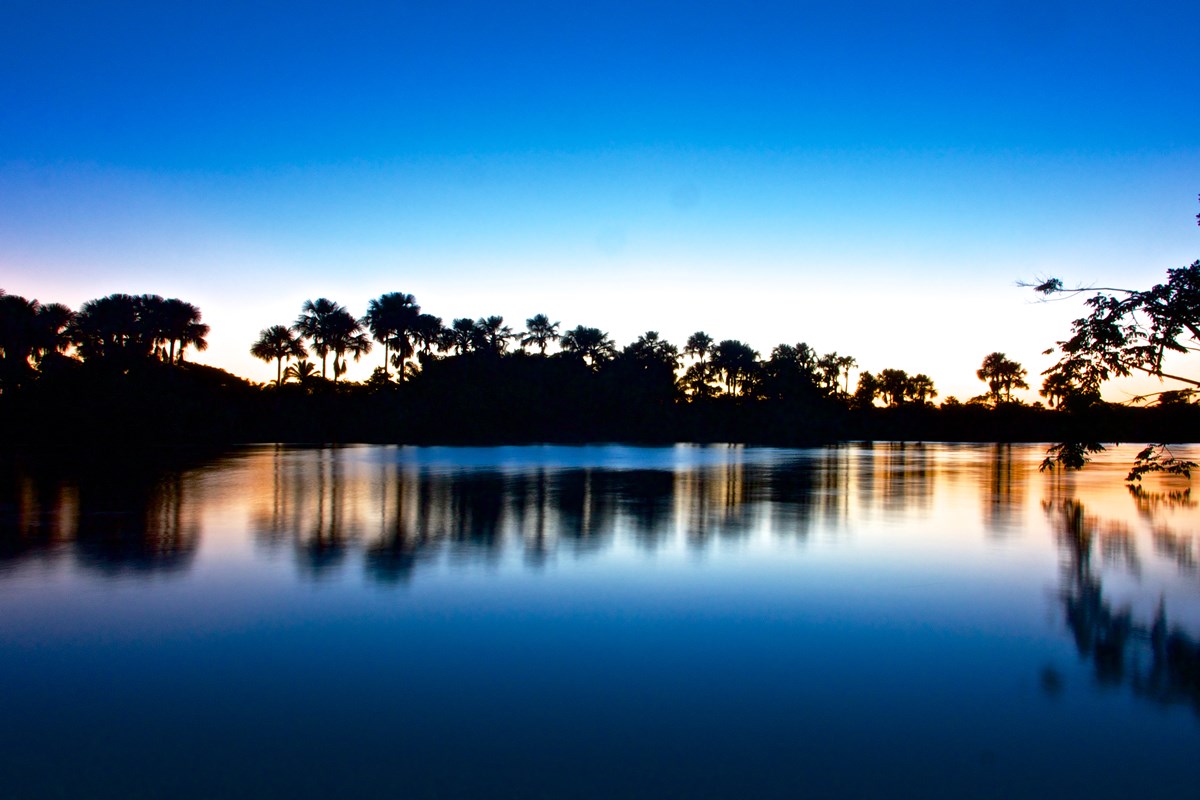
column 1004, row 498
column 1159, row 662
column 114, row 517
column 322, row 504
column 1128, row 557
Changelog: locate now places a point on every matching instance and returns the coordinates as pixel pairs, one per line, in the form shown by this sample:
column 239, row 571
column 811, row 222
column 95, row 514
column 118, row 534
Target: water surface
column 934, row 621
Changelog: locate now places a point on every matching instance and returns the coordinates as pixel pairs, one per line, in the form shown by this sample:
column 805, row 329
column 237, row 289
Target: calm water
column 859, row 621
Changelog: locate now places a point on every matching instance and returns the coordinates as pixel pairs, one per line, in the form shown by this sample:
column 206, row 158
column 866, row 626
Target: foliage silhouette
column 737, row 364
column 112, row 329
column 462, row 336
column 345, row 336
column 1002, row 375
column 540, row 332
column 493, row 334
column 315, row 324
column 1127, row 331
column 302, row 372
column 590, row 344
column 109, row 370
column 30, row 333
column 392, row 320
column 278, row 343
column 893, row 386
column 179, row 324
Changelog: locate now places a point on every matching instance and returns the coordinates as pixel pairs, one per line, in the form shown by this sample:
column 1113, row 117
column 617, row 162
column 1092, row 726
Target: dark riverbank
column 526, row 400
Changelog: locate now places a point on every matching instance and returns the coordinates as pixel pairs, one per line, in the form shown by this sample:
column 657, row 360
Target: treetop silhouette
column 1002, row 375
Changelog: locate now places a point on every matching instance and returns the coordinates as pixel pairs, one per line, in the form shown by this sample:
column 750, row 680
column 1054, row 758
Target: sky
column 869, row 178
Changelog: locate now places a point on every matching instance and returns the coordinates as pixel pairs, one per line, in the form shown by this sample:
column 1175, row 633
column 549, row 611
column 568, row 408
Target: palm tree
column 696, row 378
column 590, row 344
column 920, row 388
column 893, row 386
column 427, row 333
column 111, row 328
column 18, row 324
column 650, row 348
column 302, row 372
column 345, row 335
column 494, row 333
column 1002, row 375
column 30, row 330
column 180, row 322
column 392, row 318
column 787, row 375
column 829, row 368
column 866, row 392
column 1057, row 388
column 699, row 344
column 51, row 335
column 314, row 324
column 847, row 363
column 737, row 362
column 462, row 335
column 151, row 324
column 540, row 331
column 279, row 343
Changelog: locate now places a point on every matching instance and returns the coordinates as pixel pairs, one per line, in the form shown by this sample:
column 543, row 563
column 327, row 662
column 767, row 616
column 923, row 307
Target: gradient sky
column 871, row 178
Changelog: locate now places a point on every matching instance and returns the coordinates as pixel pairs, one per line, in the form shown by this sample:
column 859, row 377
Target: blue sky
column 870, row 178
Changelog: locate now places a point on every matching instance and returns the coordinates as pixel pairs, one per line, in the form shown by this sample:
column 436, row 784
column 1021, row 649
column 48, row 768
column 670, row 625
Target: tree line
column 411, row 340
column 119, row 330
column 482, row 379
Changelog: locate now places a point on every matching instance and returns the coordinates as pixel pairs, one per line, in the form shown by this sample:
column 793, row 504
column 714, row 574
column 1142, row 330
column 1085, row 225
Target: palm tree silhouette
column 53, row 324
column 494, row 333
column 111, row 328
column 1002, row 375
column 699, row 344
column 462, row 336
column 302, row 372
column 829, row 368
column 847, row 363
column 893, row 386
column 1057, row 388
column 315, row 324
column 540, row 331
column 279, row 343
column 920, row 387
column 151, row 324
column 345, row 335
column 737, row 362
column 650, row 348
column 697, row 376
column 18, row 334
column 392, row 320
column 428, row 333
column 590, row 344
column 866, row 392
column 180, row 323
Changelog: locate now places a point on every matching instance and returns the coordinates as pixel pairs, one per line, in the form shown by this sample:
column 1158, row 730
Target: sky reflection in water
column 597, row 621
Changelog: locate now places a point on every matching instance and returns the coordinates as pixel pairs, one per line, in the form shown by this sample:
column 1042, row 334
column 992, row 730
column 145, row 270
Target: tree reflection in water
column 1005, row 496
column 327, row 508
column 112, row 516
column 1158, row 661
column 322, row 504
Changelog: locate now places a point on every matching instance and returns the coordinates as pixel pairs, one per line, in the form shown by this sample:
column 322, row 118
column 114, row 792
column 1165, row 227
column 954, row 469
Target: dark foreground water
column 859, row 621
